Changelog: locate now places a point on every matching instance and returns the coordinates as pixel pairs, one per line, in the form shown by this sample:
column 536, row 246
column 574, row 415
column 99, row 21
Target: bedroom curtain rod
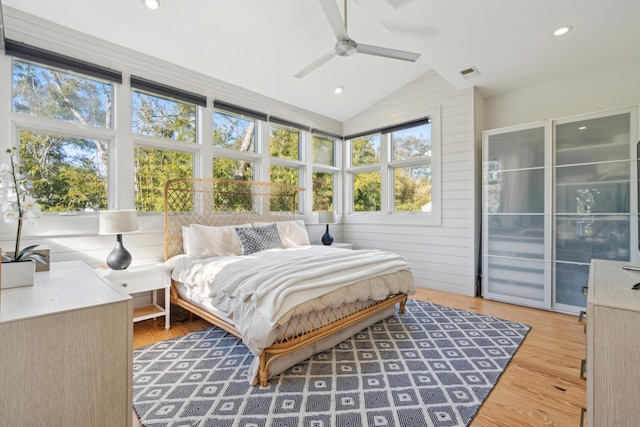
column 43, row 56
column 168, row 91
column 392, row 128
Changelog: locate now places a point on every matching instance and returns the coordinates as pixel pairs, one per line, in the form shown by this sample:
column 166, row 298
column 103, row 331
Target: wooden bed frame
column 216, row 202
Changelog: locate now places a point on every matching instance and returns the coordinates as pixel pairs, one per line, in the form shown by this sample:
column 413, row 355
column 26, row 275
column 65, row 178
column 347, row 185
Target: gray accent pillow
column 256, row 239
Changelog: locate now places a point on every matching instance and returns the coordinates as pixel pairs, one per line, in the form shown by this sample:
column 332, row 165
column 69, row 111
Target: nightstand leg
column 167, row 305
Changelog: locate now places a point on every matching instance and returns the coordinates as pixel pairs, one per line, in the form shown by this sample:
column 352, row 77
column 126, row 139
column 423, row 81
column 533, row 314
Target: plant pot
column 17, row 274
column 39, row 250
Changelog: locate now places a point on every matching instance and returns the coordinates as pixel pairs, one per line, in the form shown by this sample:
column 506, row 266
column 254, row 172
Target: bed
column 241, row 260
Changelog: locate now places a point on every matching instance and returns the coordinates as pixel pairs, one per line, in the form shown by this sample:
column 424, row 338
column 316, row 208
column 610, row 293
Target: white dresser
column 613, row 345
column 66, row 351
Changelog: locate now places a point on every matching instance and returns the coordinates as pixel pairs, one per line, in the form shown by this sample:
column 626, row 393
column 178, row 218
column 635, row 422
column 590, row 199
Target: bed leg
column 263, row 375
column 403, row 305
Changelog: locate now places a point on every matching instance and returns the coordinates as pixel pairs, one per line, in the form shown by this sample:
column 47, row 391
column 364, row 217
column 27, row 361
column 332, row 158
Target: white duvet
column 260, row 291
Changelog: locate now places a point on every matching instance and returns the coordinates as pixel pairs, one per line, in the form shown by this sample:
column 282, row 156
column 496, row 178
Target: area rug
column 431, row 366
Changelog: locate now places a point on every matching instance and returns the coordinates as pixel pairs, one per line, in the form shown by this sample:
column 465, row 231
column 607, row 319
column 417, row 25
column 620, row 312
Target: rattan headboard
column 218, row 202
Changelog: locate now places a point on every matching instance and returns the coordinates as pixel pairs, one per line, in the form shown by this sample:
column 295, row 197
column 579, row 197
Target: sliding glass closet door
column 556, row 195
column 593, row 173
column 516, row 260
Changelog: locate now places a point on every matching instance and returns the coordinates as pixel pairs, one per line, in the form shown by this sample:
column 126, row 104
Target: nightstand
column 340, row 245
column 143, row 278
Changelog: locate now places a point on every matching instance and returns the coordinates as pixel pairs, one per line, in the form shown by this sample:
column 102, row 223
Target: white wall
column 594, row 91
column 442, row 257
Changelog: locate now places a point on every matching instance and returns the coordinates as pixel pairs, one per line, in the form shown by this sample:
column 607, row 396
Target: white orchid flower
column 33, row 216
column 5, row 206
column 29, row 204
column 10, row 216
column 5, row 169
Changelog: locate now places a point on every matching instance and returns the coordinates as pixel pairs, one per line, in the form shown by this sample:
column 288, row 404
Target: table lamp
column 327, row 217
column 118, row 223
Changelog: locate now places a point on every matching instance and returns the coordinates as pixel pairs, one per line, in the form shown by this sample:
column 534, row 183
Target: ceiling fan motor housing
column 346, row 47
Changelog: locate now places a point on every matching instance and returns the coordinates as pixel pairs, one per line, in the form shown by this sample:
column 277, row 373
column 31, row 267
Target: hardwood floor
column 540, row 387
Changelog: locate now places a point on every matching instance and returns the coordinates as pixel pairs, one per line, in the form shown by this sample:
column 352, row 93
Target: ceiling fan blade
column 315, row 64
column 332, row 12
column 387, row 53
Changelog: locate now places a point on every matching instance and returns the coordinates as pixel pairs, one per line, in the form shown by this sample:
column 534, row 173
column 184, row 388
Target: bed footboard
column 299, row 334
column 288, row 345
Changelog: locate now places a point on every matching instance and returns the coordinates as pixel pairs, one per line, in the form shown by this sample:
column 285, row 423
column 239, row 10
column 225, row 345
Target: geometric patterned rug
column 431, row 366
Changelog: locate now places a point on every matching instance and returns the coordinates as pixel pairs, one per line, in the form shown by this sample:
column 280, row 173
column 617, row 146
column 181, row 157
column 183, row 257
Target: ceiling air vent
column 470, row 72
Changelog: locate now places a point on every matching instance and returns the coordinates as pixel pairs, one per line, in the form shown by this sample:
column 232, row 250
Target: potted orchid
column 18, row 204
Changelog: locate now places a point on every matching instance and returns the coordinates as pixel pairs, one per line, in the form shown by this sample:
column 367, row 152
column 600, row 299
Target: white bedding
column 258, row 292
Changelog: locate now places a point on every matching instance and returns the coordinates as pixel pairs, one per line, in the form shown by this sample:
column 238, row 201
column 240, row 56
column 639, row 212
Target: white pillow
column 211, row 241
column 292, row 233
column 188, row 248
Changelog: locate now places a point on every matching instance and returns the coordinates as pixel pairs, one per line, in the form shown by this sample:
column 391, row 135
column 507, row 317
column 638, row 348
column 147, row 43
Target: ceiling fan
column 345, row 46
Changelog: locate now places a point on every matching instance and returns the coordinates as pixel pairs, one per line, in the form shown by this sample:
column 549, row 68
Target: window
column 163, row 117
column 284, row 175
column 392, row 171
column 234, row 136
column 224, row 168
column 69, row 174
column 233, row 132
column 323, row 150
column 68, row 161
column 54, row 94
column 152, row 167
column 366, row 192
column 365, row 173
column 324, row 174
column 322, row 187
column 166, row 116
column 365, row 150
column 410, row 163
column 285, row 143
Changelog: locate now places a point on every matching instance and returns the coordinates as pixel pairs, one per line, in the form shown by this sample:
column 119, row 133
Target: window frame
column 386, row 167
column 255, row 156
column 335, row 170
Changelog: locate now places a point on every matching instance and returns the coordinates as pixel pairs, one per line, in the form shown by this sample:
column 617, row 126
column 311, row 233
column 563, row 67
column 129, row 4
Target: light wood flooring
column 540, row 387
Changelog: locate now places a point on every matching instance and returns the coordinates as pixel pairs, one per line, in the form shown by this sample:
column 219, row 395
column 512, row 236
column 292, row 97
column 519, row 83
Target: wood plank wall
column 442, row 257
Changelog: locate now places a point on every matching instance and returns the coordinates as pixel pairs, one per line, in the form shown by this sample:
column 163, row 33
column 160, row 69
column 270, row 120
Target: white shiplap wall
column 442, row 257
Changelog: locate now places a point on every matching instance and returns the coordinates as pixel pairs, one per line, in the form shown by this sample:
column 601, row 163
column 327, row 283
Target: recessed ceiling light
column 152, row 4
column 338, row 90
column 582, row 128
column 562, row 30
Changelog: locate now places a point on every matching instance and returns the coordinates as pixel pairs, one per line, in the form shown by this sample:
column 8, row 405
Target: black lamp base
column 327, row 238
column 119, row 258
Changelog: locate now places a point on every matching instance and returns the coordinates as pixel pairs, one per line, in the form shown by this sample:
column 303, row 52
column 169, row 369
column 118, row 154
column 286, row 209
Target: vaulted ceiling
column 261, row 44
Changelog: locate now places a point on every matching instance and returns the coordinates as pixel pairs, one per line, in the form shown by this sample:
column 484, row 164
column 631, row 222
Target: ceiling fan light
column 152, row 4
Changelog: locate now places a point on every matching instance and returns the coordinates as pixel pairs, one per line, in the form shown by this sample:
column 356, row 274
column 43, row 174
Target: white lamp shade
column 118, row 222
column 327, row 217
